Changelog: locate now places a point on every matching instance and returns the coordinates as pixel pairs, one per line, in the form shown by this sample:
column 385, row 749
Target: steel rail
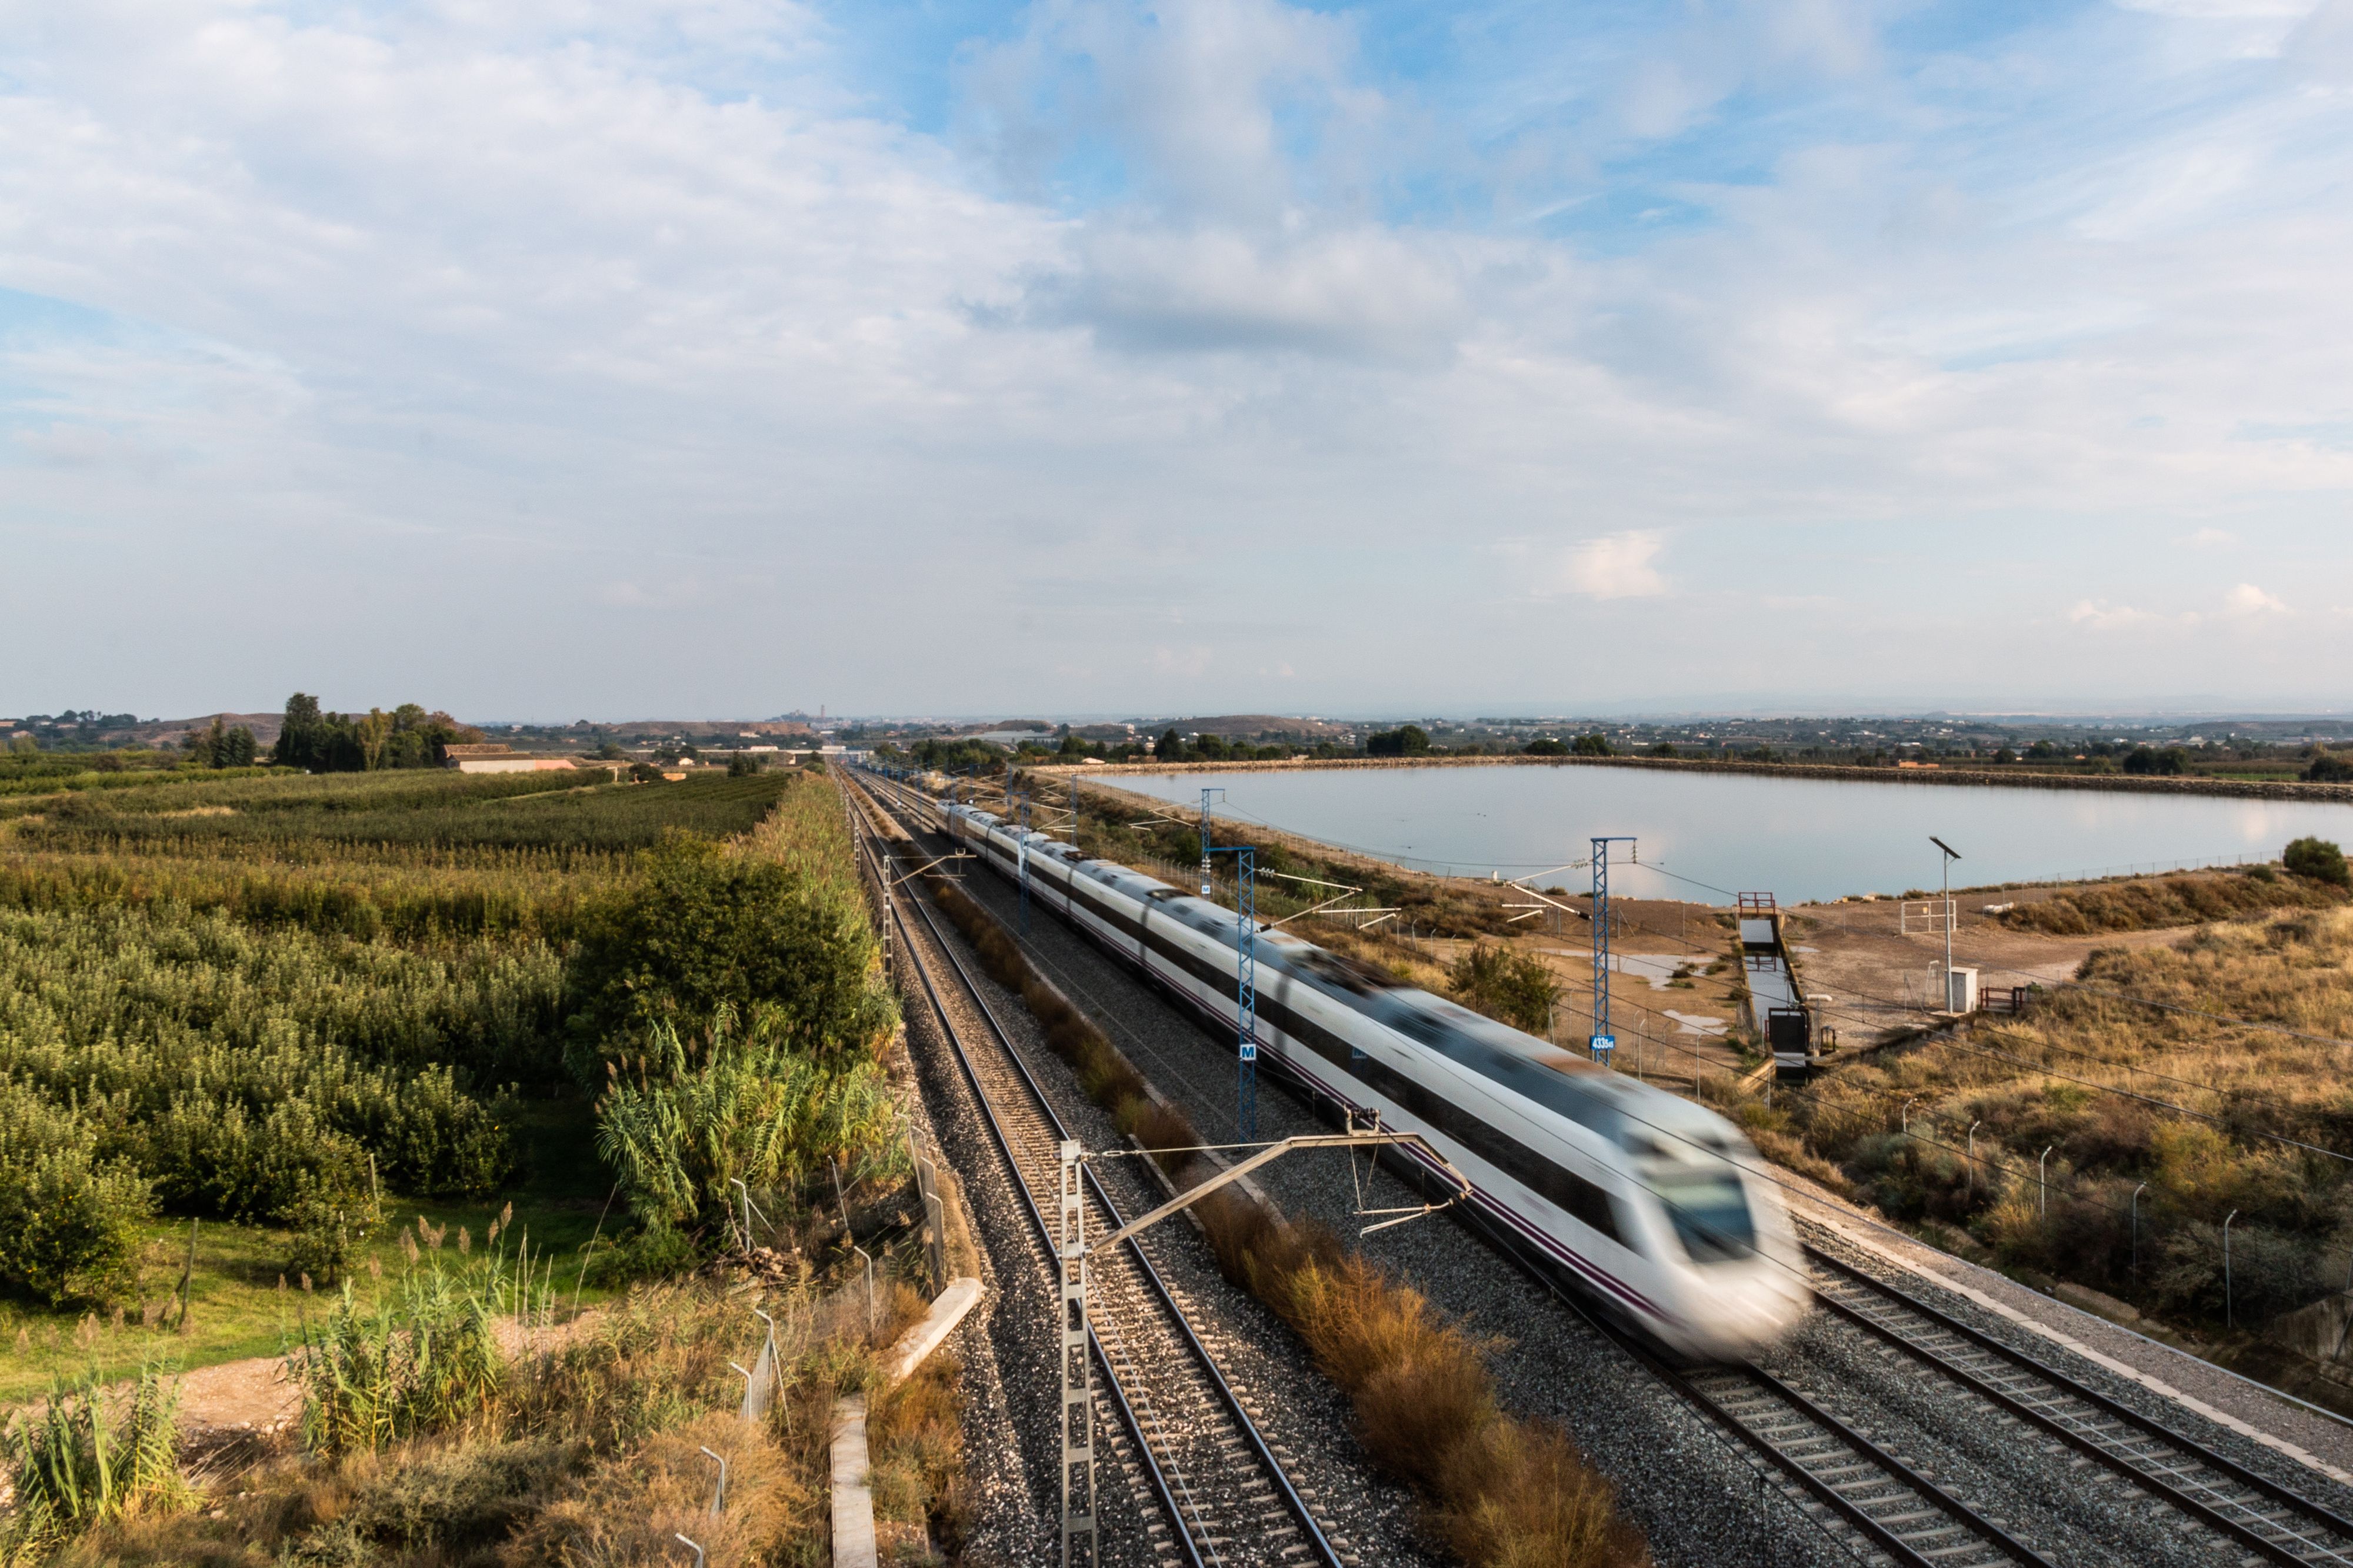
column 1888, row 1536
column 1157, row 1288
column 2160, row 1473
column 1883, row 1528
column 1112, row 1383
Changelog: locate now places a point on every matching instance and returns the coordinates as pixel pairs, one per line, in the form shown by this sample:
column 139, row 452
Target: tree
column 2147, row 760
column 1170, row 748
column 374, row 735
column 1596, row 744
column 301, row 734
column 699, row 929
column 743, row 765
column 1663, row 748
column 1546, row 746
column 1405, row 740
column 2318, row 860
column 2328, row 768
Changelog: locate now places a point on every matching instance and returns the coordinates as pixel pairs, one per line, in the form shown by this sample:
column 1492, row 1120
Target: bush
column 700, row 930
column 2328, row 768
column 2318, row 860
column 68, row 1220
column 1546, row 747
column 1596, row 744
column 1504, row 985
column 423, row 1358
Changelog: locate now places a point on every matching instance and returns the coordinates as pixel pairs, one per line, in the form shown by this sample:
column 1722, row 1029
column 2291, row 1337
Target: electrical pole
column 1602, row 1041
column 1951, row 855
column 1245, row 967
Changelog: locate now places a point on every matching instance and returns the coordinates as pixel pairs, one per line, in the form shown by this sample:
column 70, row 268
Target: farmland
column 280, row 1007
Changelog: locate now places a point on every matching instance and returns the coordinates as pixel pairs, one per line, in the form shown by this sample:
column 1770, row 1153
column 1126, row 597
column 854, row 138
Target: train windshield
column 1710, row 1213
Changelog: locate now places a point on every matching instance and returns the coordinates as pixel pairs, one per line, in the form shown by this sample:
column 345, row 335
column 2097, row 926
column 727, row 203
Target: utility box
column 1961, row 990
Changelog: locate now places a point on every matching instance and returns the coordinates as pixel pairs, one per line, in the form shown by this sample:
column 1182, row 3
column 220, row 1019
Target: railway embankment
column 1423, row 1405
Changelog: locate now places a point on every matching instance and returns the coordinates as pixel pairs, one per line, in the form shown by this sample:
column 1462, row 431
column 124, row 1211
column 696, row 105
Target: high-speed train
column 1652, row 1207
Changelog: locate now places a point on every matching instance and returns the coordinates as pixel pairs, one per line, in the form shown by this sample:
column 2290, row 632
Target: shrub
column 1595, row 744
column 698, row 930
column 2328, row 768
column 1514, row 987
column 2320, row 860
column 424, row 1357
column 68, row 1220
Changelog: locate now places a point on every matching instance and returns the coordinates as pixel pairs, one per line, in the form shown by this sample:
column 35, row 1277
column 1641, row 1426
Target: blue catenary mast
column 1603, row 1042
column 1245, row 966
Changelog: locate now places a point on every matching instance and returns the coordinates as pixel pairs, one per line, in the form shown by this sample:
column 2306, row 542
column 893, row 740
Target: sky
column 556, row 358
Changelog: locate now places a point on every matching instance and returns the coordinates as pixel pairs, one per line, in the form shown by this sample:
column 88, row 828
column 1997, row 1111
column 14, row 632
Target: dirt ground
column 1668, row 1008
column 1880, row 977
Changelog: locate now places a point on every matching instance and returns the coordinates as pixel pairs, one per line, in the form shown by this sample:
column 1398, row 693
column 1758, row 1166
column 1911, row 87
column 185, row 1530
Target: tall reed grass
column 90, row 1456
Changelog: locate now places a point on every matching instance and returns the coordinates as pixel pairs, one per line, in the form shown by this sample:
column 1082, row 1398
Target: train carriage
column 1654, row 1208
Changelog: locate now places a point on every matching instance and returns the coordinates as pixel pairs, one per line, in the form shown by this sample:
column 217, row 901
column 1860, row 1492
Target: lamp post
column 1951, row 855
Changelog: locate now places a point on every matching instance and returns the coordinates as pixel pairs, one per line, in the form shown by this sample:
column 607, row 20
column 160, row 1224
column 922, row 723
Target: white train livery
column 1654, row 1208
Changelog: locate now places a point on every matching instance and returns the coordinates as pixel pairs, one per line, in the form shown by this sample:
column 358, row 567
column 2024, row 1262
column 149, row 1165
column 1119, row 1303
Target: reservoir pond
column 1706, row 836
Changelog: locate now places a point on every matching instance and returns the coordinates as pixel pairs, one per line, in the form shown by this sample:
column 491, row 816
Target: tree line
column 323, row 743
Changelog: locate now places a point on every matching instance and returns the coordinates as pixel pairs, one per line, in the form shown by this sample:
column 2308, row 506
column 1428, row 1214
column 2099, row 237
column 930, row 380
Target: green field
column 267, row 1001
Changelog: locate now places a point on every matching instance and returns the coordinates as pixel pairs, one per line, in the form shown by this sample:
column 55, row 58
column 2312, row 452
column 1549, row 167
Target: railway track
column 1228, row 1500
column 1900, row 1514
column 2270, row 1521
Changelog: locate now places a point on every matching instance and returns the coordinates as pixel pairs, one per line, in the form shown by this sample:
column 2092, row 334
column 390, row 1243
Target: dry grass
column 627, row 1509
column 594, row 1455
column 2151, row 904
column 1503, row 1492
column 2064, row 1076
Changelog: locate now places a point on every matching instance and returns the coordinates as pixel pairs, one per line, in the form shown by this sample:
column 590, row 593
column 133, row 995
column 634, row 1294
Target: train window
column 1709, row 1210
column 1349, row 974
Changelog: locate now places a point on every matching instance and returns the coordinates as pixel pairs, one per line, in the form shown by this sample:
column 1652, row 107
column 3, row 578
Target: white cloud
column 1615, row 567
column 2102, row 616
column 2211, row 539
column 560, row 299
column 2242, row 604
column 2246, row 599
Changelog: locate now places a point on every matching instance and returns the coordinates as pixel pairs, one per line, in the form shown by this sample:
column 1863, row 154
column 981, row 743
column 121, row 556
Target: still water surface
column 1707, row 836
